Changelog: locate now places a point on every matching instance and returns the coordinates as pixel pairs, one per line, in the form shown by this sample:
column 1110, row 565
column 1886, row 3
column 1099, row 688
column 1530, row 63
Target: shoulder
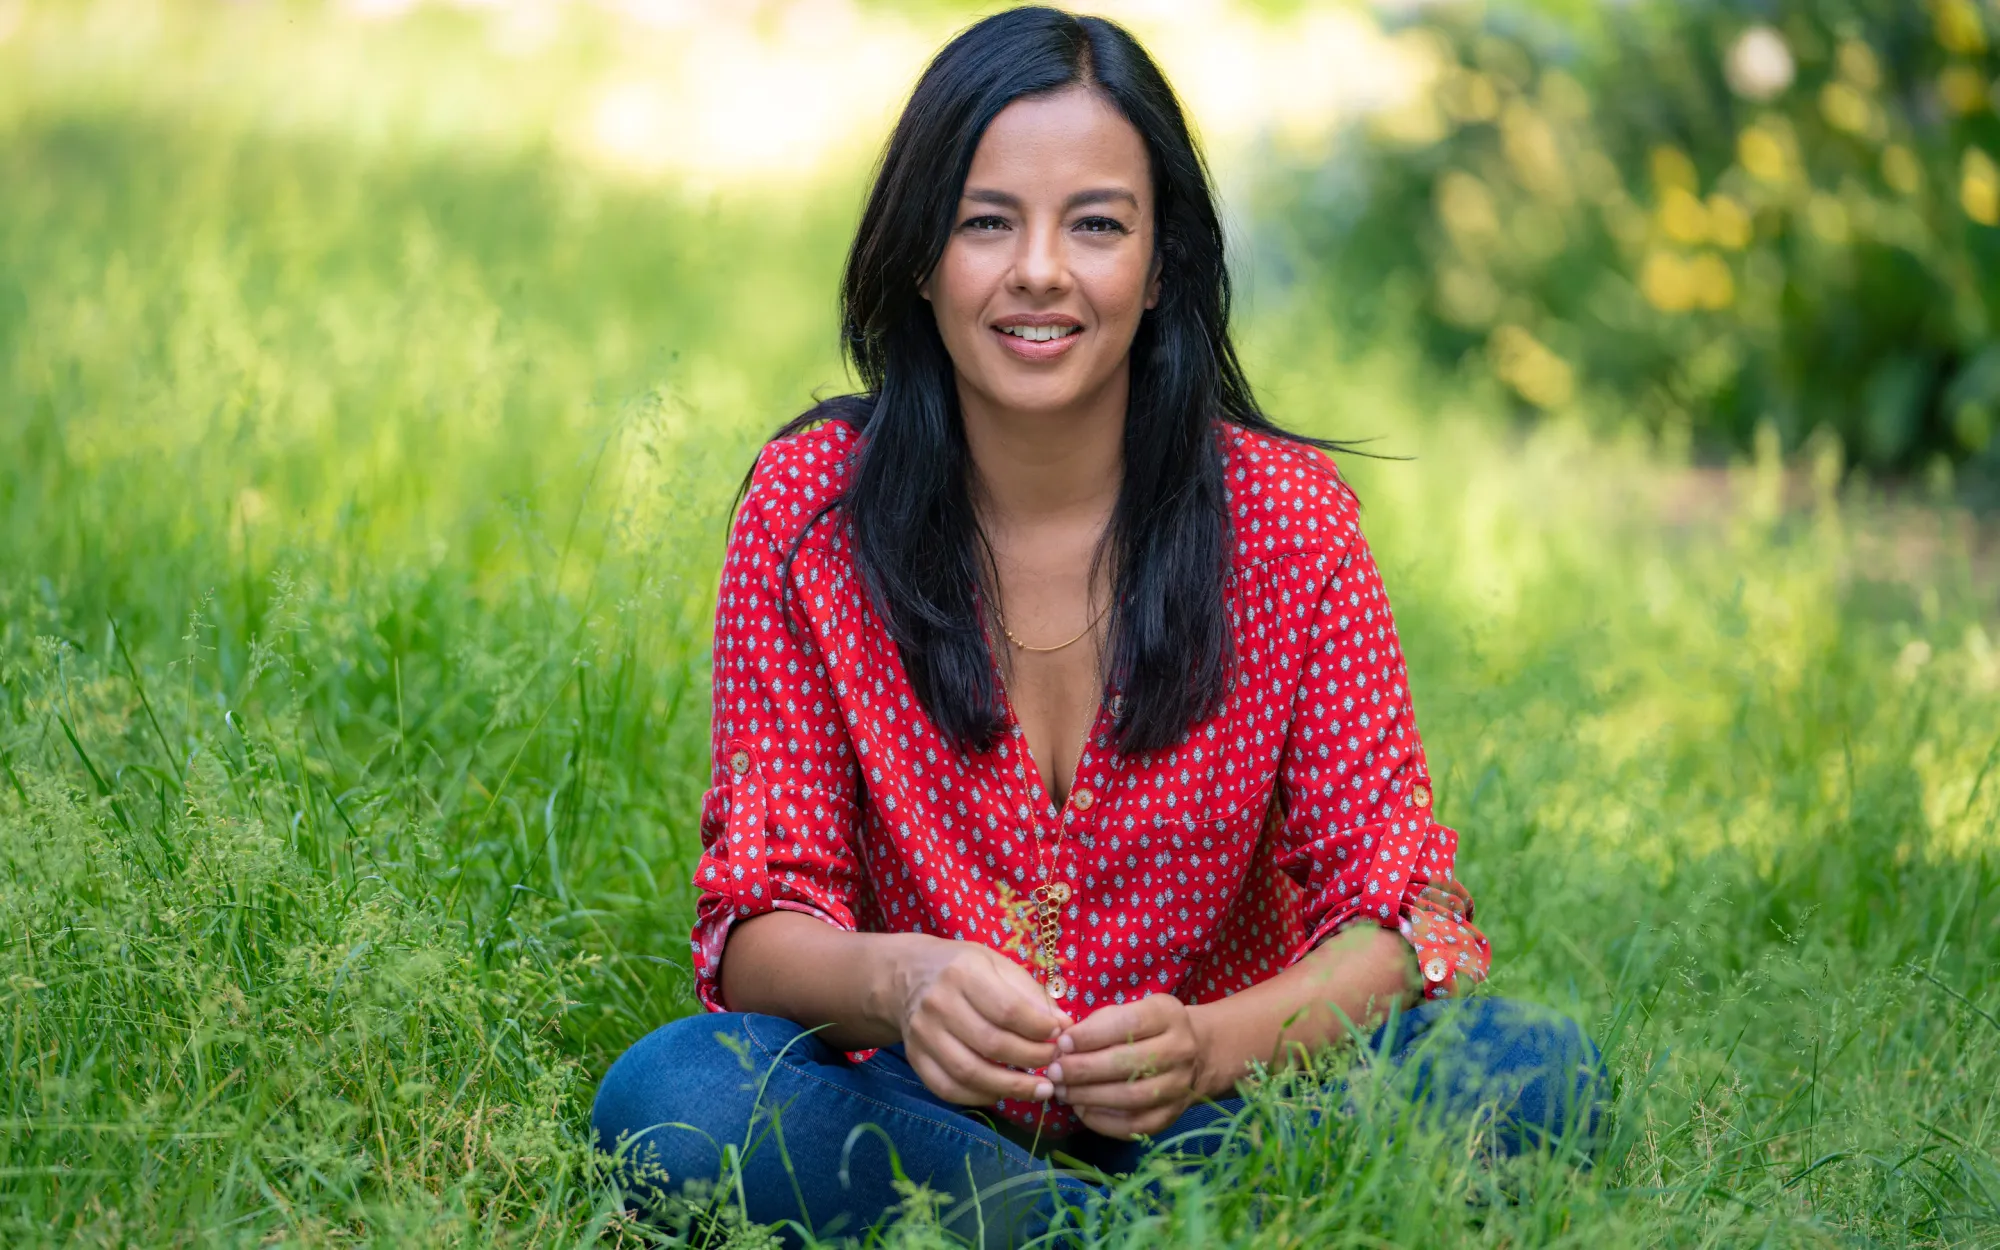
column 1285, row 499
column 797, row 477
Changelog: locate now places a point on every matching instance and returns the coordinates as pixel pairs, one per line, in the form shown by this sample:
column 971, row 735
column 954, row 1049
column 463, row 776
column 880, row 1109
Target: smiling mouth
column 1040, row 334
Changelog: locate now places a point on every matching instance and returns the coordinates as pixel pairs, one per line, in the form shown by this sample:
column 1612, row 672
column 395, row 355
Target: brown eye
column 1100, row 225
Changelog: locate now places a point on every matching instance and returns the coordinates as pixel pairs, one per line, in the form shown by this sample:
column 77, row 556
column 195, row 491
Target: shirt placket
column 1049, row 828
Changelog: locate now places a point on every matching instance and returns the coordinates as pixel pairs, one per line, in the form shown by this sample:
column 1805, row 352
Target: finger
column 987, row 1082
column 1112, row 1124
column 1123, row 1023
column 1119, row 1063
column 938, row 1081
column 992, row 1043
column 1159, row 1091
column 1010, row 999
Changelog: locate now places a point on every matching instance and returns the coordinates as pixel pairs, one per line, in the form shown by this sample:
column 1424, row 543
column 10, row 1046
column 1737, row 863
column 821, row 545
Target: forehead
column 1048, row 145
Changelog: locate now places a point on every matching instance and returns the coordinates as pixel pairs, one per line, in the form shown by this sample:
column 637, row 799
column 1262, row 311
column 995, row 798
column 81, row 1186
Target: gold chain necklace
column 1094, row 622
column 1048, row 898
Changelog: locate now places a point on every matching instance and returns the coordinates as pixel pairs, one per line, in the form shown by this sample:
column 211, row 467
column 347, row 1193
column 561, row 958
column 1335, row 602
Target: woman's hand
column 1133, row 1068
column 970, row 1016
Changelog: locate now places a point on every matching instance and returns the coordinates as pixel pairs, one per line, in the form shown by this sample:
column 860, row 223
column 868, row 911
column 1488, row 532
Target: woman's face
column 1050, row 261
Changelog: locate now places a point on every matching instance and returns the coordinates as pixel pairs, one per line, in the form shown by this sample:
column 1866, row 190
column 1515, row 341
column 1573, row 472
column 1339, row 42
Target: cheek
column 959, row 290
column 1116, row 287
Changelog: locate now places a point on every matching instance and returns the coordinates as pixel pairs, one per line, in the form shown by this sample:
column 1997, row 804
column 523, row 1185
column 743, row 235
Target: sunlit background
column 375, row 378
column 697, row 95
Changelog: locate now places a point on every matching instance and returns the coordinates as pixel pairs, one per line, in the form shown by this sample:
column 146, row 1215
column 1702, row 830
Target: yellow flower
column 1959, row 28
column 1714, row 286
column 1675, row 284
column 1762, row 152
column 1667, row 282
column 1979, row 187
column 1672, row 168
column 1537, row 374
column 1846, row 108
column 1683, row 217
column 1729, row 222
column 1963, row 89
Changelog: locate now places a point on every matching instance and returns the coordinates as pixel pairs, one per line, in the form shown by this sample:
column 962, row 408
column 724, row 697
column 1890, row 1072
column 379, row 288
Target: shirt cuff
column 1452, row 955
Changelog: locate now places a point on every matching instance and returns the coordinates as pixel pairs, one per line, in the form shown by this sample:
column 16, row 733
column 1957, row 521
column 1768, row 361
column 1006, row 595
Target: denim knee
column 1531, row 1069
column 677, row 1097
column 1563, row 1088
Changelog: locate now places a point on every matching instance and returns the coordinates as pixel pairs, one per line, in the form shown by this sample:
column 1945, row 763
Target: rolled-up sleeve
column 779, row 821
column 1358, row 833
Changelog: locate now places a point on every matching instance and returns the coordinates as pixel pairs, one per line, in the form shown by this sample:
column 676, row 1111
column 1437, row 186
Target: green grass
column 362, row 499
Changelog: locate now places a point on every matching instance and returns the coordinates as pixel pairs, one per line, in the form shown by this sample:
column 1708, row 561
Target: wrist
column 900, row 974
column 1217, row 1065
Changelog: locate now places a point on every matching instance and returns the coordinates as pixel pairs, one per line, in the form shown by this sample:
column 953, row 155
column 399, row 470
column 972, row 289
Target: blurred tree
column 1714, row 214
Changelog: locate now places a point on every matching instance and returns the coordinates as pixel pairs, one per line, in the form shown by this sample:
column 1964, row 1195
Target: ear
column 924, row 287
column 1153, row 278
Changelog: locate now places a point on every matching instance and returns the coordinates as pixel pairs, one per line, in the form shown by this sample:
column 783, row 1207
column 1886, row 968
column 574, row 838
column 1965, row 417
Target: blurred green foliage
column 1718, row 214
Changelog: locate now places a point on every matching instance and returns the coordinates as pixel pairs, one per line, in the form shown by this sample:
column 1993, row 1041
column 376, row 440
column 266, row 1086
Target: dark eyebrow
column 1095, row 195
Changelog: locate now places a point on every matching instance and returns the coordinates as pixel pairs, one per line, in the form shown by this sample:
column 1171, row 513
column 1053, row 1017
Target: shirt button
column 1081, row 799
column 1435, row 969
column 1422, row 794
column 739, row 763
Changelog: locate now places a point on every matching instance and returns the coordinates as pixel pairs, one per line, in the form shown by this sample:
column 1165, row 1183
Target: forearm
column 1349, row 980
column 788, row 964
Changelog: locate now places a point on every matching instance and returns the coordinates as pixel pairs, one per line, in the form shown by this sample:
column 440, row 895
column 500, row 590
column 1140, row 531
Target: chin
column 1037, row 400
column 1026, row 389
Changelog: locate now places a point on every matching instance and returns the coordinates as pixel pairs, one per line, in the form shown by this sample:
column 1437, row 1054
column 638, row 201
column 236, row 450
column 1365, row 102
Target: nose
column 1039, row 264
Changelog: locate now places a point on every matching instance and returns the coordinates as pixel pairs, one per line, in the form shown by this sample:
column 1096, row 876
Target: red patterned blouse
column 1302, row 806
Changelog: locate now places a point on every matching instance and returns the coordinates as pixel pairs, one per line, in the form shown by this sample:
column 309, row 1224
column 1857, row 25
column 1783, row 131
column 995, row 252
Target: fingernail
column 1043, row 1091
column 1067, row 1043
column 1055, row 1072
column 1062, row 1094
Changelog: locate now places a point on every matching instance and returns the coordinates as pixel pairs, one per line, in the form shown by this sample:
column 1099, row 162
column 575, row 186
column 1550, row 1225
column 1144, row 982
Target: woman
column 1059, row 719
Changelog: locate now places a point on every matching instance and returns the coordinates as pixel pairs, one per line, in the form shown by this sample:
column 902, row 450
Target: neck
column 1031, row 467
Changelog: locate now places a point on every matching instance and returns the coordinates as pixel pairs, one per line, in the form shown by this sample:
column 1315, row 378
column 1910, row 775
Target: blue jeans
column 799, row 1133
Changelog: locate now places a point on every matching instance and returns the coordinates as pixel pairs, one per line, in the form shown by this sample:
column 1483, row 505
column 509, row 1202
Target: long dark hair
column 916, row 540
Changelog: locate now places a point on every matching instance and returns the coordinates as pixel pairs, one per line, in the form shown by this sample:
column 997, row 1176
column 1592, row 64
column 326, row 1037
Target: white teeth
column 1038, row 334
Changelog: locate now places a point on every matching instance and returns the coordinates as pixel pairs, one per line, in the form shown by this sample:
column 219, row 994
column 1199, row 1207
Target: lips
column 1038, row 336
